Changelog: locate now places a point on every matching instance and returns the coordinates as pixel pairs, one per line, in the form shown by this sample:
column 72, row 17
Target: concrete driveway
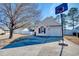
column 47, row 49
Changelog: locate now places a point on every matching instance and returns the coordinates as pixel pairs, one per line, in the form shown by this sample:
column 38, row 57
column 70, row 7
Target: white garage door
column 54, row 31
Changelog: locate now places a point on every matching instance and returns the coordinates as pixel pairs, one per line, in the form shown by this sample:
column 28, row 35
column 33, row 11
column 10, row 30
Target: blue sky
column 48, row 9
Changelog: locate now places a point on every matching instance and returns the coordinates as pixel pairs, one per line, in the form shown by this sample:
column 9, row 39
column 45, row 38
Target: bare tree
column 17, row 15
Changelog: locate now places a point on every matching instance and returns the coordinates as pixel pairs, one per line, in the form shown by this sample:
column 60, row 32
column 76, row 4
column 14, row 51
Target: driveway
column 47, row 49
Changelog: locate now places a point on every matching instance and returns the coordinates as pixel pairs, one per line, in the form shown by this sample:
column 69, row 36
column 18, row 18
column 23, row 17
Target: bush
column 74, row 33
column 78, row 35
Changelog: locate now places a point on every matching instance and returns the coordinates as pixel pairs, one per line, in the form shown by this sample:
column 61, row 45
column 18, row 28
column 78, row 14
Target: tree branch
column 18, row 26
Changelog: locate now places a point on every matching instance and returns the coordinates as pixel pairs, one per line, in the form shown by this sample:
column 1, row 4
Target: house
column 27, row 31
column 2, row 32
column 68, row 32
column 48, row 27
column 24, row 31
column 76, row 31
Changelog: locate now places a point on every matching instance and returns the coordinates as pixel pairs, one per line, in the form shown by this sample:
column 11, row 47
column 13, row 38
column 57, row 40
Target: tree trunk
column 73, row 21
column 73, row 24
column 11, row 33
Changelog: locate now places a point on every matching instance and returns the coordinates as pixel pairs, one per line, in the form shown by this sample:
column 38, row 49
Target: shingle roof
column 49, row 21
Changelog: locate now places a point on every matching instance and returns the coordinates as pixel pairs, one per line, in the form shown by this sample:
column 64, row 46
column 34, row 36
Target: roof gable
column 49, row 21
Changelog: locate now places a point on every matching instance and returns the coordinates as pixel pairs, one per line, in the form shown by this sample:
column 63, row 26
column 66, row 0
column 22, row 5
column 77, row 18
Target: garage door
column 54, row 31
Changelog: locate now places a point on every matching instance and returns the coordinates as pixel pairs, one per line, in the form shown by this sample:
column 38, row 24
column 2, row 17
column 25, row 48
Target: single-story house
column 24, row 31
column 71, row 31
column 76, row 31
column 2, row 31
column 48, row 27
column 68, row 32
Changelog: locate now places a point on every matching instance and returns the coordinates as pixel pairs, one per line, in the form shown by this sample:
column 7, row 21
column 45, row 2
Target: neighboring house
column 48, row 27
column 68, row 32
column 72, row 31
column 2, row 31
column 76, row 29
column 25, row 31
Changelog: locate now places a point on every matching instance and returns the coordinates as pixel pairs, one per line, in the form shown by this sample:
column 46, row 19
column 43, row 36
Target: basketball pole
column 62, row 27
column 59, row 10
column 62, row 43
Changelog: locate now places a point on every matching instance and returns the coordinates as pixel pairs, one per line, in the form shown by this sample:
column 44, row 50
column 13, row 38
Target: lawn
column 73, row 39
column 5, row 41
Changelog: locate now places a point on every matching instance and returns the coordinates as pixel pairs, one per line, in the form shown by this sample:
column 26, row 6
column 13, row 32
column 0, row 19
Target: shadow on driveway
column 32, row 40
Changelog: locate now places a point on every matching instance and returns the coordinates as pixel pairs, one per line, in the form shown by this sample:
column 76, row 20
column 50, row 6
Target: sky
column 48, row 9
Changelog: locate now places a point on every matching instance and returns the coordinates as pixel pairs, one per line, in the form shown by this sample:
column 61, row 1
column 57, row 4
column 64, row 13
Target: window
column 42, row 29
